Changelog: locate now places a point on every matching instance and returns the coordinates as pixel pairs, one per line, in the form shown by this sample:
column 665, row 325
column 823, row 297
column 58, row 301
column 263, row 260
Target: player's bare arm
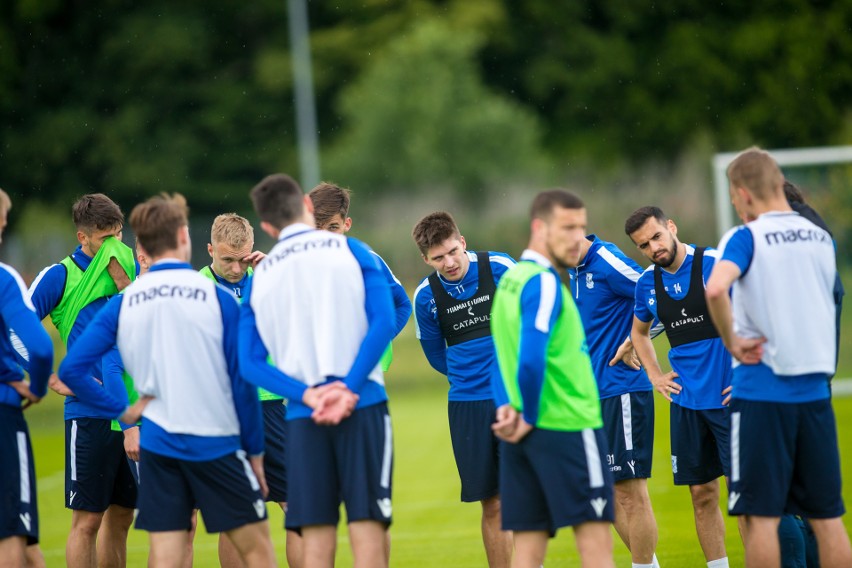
column 664, row 383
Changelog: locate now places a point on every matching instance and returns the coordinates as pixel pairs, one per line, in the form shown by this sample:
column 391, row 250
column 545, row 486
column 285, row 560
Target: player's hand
column 131, row 443
column 23, row 389
column 335, row 405
column 312, row 395
column 118, row 275
column 666, row 386
column 747, row 351
column 58, row 386
column 134, row 413
column 627, row 354
column 254, row 258
column 506, row 423
column 256, row 463
column 727, row 391
column 520, row 432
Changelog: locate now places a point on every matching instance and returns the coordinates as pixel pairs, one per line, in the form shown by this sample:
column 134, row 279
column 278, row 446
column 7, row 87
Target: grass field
column 431, row 527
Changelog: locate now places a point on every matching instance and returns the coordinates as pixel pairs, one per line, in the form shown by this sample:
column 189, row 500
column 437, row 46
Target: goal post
column 793, row 157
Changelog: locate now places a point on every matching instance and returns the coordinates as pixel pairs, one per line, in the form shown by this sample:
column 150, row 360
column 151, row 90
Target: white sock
column 656, row 562
column 642, row 565
column 718, row 563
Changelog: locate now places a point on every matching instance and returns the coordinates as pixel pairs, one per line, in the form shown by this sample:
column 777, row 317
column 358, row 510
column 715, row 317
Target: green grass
column 431, row 527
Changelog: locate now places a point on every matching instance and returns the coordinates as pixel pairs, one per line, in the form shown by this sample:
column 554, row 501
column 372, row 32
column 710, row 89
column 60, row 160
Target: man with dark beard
column 672, row 290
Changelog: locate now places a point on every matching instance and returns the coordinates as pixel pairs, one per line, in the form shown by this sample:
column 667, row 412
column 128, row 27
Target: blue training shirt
column 604, row 289
column 401, row 303
column 45, row 293
column 101, row 335
column 469, row 366
column 759, row 382
column 703, row 367
column 23, row 335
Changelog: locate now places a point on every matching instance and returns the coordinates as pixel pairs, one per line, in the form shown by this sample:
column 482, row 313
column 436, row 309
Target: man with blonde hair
column 230, row 250
column 780, row 328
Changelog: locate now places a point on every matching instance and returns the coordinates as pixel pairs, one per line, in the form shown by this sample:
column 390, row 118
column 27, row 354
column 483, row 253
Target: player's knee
column 491, row 507
column 705, row 496
column 86, row 522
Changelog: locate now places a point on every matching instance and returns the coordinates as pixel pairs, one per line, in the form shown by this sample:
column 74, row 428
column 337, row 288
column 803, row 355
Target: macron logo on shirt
column 167, row 291
column 796, row 235
column 298, row 247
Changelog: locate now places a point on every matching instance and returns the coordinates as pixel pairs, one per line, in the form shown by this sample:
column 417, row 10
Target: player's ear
column 309, row 204
column 463, row 243
column 347, row 224
column 210, row 249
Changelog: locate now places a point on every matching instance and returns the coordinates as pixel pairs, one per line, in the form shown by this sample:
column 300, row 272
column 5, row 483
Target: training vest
column 82, row 287
column 465, row 320
column 262, row 394
column 686, row 320
column 569, row 399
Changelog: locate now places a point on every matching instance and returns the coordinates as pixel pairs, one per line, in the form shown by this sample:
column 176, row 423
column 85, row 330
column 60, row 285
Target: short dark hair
column 434, row 229
column 329, row 200
column 278, row 200
column 641, row 215
column 157, row 220
column 793, row 193
column 545, row 202
column 96, row 212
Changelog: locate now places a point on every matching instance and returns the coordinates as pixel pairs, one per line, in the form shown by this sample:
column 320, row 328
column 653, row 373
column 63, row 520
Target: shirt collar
column 536, row 257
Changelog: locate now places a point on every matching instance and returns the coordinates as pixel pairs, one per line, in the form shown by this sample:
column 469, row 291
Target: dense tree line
column 196, row 96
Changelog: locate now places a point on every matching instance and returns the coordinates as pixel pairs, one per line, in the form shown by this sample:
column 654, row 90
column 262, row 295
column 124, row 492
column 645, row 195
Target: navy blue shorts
column 275, row 440
column 351, row 462
column 784, row 459
column 18, row 506
column 97, row 474
column 475, row 447
column 224, row 489
column 629, row 429
column 701, row 444
column 555, row 479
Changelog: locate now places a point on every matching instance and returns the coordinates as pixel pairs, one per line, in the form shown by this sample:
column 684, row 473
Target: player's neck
column 680, row 256
column 770, row 205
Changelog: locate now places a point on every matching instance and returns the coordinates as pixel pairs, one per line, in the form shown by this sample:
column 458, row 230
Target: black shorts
column 701, row 444
column 275, row 442
column 97, row 473
column 555, row 479
column 476, row 449
column 784, row 459
column 18, row 506
column 225, row 489
column 352, row 462
column 629, row 430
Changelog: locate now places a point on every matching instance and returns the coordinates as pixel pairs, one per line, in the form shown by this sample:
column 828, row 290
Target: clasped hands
column 331, row 403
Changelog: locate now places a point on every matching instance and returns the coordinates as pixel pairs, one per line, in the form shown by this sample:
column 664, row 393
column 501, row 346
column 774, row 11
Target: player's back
column 792, row 308
column 308, row 297
column 171, row 335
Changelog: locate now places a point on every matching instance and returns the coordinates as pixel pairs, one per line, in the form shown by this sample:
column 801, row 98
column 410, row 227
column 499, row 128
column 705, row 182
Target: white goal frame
column 795, row 157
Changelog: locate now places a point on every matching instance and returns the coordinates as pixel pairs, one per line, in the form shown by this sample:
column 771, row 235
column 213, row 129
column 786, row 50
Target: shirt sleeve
column 18, row 314
column 380, row 316
column 737, row 246
column 47, row 289
column 541, row 304
column 112, row 371
column 401, row 303
column 500, row 263
column 427, row 329
column 643, row 290
column 254, row 356
column 246, row 402
column 98, row 338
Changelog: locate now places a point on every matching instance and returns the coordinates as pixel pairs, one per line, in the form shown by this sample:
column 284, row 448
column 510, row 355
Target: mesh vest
column 569, row 396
